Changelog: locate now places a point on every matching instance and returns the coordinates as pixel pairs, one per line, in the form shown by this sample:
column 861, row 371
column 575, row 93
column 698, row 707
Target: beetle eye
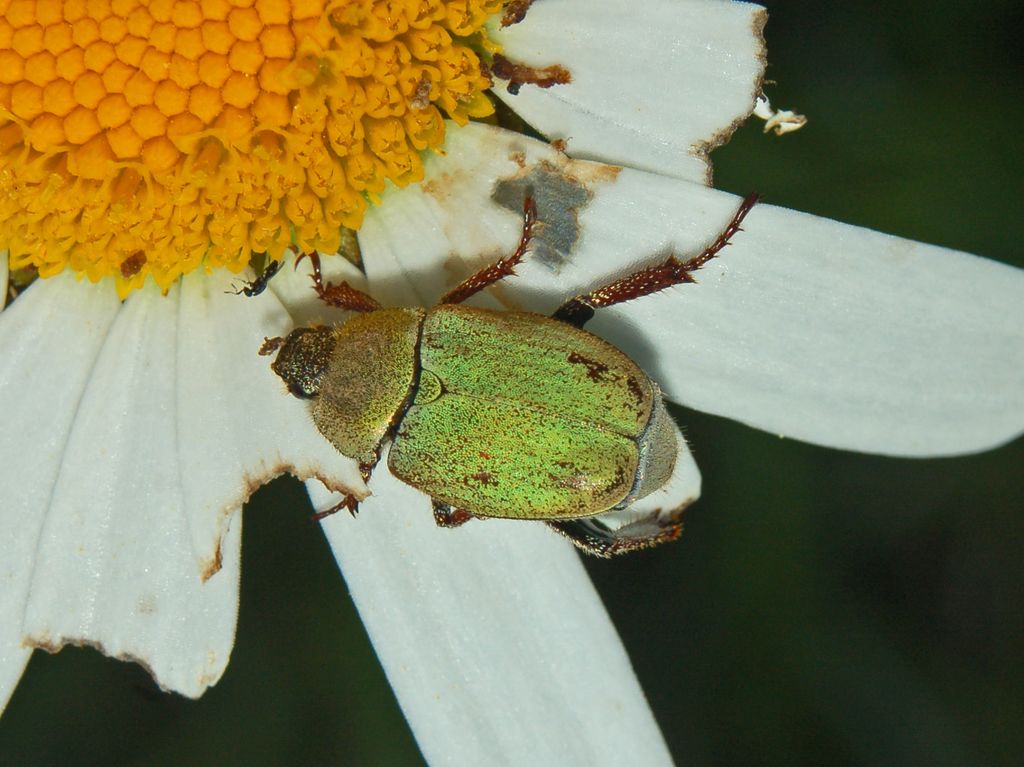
column 303, row 360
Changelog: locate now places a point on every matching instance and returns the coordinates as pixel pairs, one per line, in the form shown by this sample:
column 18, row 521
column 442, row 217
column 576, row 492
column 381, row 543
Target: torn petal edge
column 698, row 92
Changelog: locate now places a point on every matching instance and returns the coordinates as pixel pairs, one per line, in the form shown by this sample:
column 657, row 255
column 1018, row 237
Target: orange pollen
column 151, row 137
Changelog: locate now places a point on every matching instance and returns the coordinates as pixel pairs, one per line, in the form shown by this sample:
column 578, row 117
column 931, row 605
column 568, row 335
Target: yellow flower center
column 149, row 137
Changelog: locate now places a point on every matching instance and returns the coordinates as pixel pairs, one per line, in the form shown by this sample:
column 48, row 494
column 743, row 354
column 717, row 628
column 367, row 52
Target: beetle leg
column 341, row 295
column 446, row 515
column 578, row 311
column 349, row 502
column 501, row 268
column 594, row 538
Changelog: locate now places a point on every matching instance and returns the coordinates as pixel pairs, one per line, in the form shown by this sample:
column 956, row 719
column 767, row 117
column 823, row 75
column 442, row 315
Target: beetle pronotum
column 497, row 414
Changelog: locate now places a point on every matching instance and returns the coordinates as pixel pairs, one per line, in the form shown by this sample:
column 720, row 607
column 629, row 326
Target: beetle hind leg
column 501, row 268
column 578, row 311
column 594, row 537
column 446, row 515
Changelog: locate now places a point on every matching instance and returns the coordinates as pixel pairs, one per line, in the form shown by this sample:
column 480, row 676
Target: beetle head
column 303, row 359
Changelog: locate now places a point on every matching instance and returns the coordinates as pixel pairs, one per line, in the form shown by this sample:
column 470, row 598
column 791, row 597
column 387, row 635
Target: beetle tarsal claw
column 349, row 502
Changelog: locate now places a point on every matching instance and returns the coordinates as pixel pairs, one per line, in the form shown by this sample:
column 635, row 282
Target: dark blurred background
column 822, row 608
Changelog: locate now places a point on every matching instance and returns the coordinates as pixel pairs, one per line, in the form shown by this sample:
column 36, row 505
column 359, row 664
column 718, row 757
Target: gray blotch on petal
column 559, row 198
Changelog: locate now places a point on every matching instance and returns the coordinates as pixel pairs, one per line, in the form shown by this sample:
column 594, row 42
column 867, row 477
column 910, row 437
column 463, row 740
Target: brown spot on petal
column 515, row 11
column 519, row 75
column 212, row 566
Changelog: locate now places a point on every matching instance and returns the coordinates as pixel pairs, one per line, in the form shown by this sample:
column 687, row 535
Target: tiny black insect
column 258, row 285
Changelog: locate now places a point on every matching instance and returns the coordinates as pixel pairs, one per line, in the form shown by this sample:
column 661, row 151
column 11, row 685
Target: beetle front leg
column 578, row 311
column 503, row 267
column 340, row 295
column 349, row 502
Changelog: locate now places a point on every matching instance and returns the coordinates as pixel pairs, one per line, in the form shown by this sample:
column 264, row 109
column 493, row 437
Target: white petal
column 804, row 327
column 145, row 452
column 49, row 339
column 492, row 637
column 817, row 330
column 114, row 566
column 236, row 426
column 654, row 86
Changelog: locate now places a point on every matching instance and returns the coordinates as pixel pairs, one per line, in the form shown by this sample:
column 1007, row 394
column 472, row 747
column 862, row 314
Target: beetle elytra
column 498, row 414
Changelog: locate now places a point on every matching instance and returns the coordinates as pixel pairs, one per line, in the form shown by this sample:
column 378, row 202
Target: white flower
column 135, row 431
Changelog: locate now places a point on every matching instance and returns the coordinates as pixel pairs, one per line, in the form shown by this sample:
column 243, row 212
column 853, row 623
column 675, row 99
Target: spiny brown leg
column 502, row 267
column 446, row 515
column 672, row 271
column 348, row 502
column 341, row 295
column 593, row 538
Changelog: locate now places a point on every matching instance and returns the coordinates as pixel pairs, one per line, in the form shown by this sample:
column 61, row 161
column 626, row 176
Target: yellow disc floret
column 150, row 137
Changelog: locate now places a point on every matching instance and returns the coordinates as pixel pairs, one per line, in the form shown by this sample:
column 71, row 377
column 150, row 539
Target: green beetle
column 497, row 414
